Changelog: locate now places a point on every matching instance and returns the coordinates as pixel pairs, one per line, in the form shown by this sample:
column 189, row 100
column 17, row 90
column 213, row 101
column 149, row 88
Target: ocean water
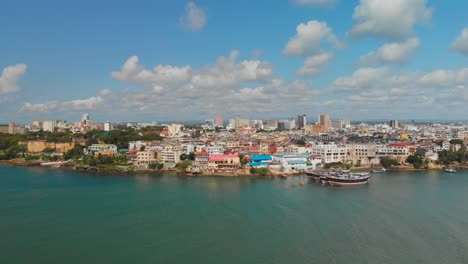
column 58, row 216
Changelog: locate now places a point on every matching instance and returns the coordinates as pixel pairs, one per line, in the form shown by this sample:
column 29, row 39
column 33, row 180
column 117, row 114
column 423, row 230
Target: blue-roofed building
column 260, row 161
column 264, row 158
column 293, row 161
column 258, row 164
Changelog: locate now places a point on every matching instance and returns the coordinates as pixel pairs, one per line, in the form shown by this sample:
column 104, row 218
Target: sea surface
column 60, row 216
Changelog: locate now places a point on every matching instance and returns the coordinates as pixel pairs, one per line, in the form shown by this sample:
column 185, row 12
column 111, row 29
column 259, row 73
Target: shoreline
column 136, row 171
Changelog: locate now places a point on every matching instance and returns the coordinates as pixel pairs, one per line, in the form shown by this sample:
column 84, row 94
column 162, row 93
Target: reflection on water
column 59, row 216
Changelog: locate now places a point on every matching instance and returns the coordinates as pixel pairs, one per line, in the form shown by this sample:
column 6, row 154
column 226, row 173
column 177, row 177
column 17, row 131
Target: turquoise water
column 55, row 216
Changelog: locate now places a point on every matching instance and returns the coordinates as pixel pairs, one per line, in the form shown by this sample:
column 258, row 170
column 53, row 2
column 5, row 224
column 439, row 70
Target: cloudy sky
column 181, row 60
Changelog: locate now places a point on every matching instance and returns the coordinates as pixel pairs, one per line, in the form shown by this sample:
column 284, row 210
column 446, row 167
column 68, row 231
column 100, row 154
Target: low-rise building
column 223, row 162
column 144, row 158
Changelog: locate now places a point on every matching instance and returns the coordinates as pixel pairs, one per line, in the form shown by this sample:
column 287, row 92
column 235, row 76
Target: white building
column 175, row 130
column 50, row 125
column 330, row 153
column 214, row 149
column 100, row 147
column 108, row 126
column 170, row 155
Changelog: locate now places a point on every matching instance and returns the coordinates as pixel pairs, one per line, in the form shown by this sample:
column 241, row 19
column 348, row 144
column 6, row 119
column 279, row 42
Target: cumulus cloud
column 360, row 79
column 315, row 2
column 10, row 77
column 73, row 105
column 228, row 73
column 461, row 43
column 105, row 92
column 397, row 53
column 314, row 64
column 134, row 72
column 389, row 19
column 308, row 39
column 194, row 18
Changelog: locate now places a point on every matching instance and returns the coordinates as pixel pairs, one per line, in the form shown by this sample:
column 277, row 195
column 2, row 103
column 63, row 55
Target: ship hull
column 338, row 182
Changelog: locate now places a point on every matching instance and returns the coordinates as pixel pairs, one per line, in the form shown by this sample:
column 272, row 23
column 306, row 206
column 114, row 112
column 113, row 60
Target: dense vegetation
column 449, row 157
column 417, row 161
column 259, row 171
column 387, row 162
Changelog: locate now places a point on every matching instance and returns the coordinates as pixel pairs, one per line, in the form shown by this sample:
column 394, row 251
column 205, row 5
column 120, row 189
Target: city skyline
column 366, row 60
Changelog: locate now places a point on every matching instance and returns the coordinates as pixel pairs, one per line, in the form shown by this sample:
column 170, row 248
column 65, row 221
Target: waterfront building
column 111, row 149
column 330, row 152
column 170, row 155
column 201, row 161
column 400, row 149
column 144, row 158
column 220, row 162
column 292, row 161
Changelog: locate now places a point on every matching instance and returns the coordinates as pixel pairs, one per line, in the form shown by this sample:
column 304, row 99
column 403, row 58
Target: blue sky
column 365, row 59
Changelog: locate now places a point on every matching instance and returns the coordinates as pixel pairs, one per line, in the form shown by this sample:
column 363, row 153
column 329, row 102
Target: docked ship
column 348, row 179
column 316, row 176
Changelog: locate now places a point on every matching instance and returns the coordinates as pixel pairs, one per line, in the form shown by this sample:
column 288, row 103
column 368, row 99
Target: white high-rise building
column 108, row 126
column 50, row 125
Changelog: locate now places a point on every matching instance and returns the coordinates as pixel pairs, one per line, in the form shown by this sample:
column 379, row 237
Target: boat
column 378, row 171
column 314, row 175
column 450, row 170
column 54, row 163
column 348, row 179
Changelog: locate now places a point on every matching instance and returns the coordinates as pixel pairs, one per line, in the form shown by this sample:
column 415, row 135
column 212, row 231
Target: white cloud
column 397, row 52
column 445, row 78
column 105, row 92
column 314, row 64
column 315, row 2
column 194, row 18
column 227, row 73
column 461, row 43
column 134, row 72
column 362, row 78
column 10, row 77
column 386, row 19
column 73, row 105
column 308, row 39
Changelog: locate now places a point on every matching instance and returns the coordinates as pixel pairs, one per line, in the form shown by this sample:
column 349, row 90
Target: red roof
column 202, row 153
column 221, row 157
column 399, row 144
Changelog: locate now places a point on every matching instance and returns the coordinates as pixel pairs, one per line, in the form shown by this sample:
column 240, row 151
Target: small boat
column 450, row 170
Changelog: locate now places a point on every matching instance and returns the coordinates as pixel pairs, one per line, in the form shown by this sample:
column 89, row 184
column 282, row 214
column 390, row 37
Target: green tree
column 183, row 156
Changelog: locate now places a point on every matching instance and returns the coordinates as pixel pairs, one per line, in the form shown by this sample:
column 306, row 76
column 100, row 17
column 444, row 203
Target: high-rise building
column 219, row 121
column 11, row 128
column 108, row 126
column 324, row 119
column 270, row 124
column 394, row 123
column 337, row 124
column 302, row 122
column 50, row 125
column 346, row 121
